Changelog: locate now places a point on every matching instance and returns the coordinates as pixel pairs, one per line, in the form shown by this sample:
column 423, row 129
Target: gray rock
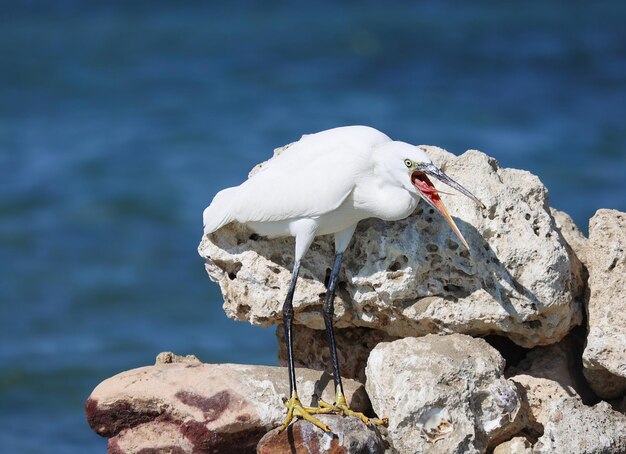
column 571, row 233
column 604, row 358
column 412, row 277
column 576, row 245
column 443, row 394
column 207, row 407
column 349, row 436
column 574, row 428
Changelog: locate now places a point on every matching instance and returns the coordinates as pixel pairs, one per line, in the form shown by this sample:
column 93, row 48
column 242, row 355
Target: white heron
column 325, row 184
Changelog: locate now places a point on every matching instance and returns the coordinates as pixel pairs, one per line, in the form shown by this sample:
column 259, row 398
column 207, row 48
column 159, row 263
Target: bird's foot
column 340, row 407
column 295, row 409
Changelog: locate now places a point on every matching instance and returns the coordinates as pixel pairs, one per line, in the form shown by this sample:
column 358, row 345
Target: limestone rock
column 547, row 374
column 349, row 435
column 571, row 233
column 604, row 358
column 310, row 347
column 169, row 357
column 214, row 406
column 574, row 428
column 516, row 445
column 442, row 394
column 412, row 277
column 576, row 245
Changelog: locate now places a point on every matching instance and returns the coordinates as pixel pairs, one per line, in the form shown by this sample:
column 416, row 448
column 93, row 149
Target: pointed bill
column 428, row 192
column 435, row 172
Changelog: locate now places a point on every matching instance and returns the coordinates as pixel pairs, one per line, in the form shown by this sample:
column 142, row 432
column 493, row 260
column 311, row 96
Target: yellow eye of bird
column 408, row 163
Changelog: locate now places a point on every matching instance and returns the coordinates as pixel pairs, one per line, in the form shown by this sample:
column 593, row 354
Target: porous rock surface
column 604, row 358
column 544, row 375
column 575, row 428
column 349, row 435
column 413, row 277
column 196, row 407
column 443, row 394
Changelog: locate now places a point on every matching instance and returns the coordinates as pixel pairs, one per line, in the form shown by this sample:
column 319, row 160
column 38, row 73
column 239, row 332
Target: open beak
column 422, row 183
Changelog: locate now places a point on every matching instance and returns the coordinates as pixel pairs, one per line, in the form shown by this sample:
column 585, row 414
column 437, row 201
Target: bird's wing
column 311, row 177
column 219, row 213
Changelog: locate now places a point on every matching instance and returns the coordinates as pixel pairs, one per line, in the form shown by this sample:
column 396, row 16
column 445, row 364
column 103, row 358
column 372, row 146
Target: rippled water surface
column 120, row 120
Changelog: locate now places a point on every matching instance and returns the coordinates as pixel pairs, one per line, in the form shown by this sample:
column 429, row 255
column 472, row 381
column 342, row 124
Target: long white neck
column 387, row 193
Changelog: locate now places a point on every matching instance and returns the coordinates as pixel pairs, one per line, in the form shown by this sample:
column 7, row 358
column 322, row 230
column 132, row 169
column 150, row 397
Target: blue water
column 120, row 120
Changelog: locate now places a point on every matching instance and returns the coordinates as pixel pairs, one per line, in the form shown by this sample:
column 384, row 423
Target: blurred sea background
column 120, row 120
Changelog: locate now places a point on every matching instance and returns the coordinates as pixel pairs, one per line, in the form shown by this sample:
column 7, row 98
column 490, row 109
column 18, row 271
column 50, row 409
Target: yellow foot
column 340, row 407
column 296, row 410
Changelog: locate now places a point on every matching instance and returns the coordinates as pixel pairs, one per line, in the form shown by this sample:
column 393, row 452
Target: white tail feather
column 218, row 214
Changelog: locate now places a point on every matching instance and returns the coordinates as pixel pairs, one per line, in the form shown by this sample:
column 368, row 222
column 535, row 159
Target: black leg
column 329, row 311
column 293, row 404
column 287, row 322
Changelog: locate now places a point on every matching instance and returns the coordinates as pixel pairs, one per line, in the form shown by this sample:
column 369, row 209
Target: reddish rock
column 349, row 435
column 186, row 406
column 157, row 437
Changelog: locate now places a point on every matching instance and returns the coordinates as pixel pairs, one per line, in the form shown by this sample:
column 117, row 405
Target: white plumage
column 333, row 179
column 302, row 181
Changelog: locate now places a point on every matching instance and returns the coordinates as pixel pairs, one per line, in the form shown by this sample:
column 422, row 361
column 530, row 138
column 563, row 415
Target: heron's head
column 412, row 168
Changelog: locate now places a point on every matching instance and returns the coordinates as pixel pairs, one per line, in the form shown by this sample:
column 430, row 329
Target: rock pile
column 464, row 352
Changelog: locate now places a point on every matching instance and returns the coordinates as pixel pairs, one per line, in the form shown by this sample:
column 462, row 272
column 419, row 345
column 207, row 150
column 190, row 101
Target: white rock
column 572, row 235
column 576, row 245
column 574, row 428
column 516, row 445
column 413, row 277
column 442, row 394
column 604, row 358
